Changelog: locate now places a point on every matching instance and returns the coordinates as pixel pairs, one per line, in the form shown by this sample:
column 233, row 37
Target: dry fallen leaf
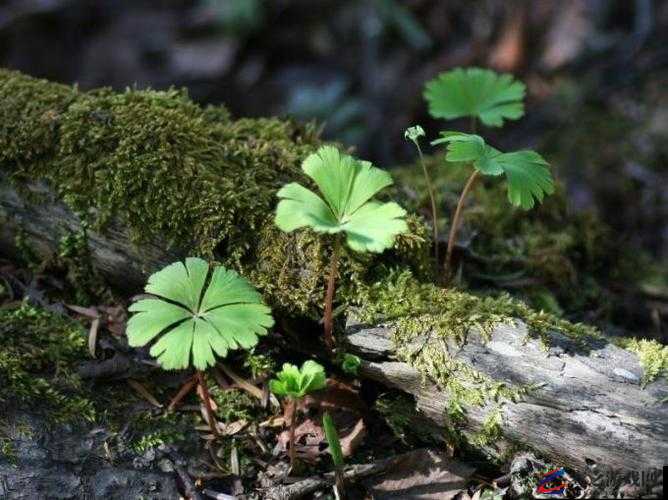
column 337, row 395
column 309, row 435
column 273, row 421
column 421, row 474
column 353, row 439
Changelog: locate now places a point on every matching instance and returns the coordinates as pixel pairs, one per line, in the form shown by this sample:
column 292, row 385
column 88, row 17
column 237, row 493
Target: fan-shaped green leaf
column 296, row 383
column 193, row 320
column 347, row 186
column 528, row 174
column 476, row 92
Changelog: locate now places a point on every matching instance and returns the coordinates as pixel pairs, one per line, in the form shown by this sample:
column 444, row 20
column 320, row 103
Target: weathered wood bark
column 43, row 223
column 589, row 406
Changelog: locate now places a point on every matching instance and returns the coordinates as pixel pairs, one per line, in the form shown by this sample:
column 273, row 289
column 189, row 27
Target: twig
column 207, row 403
column 144, row 392
column 241, row 383
column 185, row 389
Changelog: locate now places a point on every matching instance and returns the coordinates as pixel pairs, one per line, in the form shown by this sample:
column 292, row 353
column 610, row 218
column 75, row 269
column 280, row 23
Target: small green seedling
column 347, row 186
column 413, row 134
column 293, row 384
column 528, row 174
column 351, row 364
column 335, row 451
column 484, row 95
column 195, row 315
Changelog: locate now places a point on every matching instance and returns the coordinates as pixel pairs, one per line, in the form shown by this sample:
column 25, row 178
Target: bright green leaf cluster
column 197, row 312
column 528, row 174
column 475, row 92
column 347, row 186
column 296, row 383
column 351, row 364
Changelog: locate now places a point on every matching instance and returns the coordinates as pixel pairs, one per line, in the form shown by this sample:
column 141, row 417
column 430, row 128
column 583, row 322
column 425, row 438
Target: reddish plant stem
column 292, row 452
column 329, row 296
column 207, row 402
column 185, row 389
column 456, row 221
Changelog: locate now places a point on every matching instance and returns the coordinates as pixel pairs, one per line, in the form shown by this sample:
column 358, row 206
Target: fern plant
column 293, row 384
column 197, row 313
column 484, row 95
column 345, row 209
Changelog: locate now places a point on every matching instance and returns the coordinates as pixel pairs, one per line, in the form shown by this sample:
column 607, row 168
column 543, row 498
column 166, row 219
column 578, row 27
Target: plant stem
column 456, row 221
column 430, row 188
column 207, row 402
column 329, row 296
column 292, row 453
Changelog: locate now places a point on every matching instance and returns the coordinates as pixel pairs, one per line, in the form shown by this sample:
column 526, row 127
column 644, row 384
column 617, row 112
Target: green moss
column 158, row 162
column 232, row 404
column 148, row 430
column 397, row 410
column 653, row 356
column 259, row 364
column 31, row 113
column 491, row 429
column 177, row 174
column 38, row 362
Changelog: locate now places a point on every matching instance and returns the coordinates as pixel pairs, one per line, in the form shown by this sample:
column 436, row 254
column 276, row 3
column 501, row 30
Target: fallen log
column 584, row 406
column 76, row 154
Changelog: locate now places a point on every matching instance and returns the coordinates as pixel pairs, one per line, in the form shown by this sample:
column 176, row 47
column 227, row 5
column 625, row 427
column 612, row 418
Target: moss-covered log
column 578, row 406
column 154, row 177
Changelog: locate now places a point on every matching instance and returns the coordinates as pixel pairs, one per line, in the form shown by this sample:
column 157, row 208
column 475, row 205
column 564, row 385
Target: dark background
column 597, row 74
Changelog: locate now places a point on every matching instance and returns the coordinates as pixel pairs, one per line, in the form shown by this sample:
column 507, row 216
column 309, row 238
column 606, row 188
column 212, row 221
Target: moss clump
column 147, row 430
column 156, row 161
column 653, row 357
column 29, row 116
column 38, row 361
column 233, row 404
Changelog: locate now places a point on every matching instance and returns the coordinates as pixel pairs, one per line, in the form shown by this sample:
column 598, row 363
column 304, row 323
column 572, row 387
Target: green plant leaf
column 332, row 440
column 475, row 92
column 528, row 174
column 194, row 321
column 296, row 383
column 351, row 364
column 347, row 186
